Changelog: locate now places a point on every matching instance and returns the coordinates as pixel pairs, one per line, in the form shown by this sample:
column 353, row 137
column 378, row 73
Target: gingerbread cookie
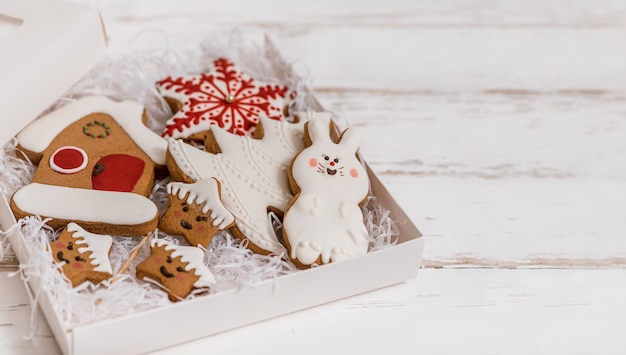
column 84, row 256
column 324, row 222
column 196, row 212
column 252, row 172
column 97, row 163
column 178, row 269
column 225, row 97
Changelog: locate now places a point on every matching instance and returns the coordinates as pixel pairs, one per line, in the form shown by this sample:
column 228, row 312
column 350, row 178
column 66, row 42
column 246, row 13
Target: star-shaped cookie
column 225, row 96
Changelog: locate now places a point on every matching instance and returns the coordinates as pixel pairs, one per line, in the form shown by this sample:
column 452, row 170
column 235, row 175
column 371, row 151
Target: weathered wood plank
column 516, row 222
column 511, row 311
column 501, row 179
column 454, row 312
column 408, row 44
column 15, row 321
column 537, row 135
column 535, row 13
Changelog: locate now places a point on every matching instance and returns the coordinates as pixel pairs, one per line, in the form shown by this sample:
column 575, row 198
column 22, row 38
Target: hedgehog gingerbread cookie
column 179, row 270
column 97, row 163
column 196, row 212
column 83, row 256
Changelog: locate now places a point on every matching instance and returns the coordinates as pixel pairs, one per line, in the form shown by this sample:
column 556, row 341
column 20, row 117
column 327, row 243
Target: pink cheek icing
column 77, row 265
column 354, row 173
column 313, row 162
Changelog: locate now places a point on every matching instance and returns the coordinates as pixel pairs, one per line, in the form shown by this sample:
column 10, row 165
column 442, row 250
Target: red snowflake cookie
column 225, row 96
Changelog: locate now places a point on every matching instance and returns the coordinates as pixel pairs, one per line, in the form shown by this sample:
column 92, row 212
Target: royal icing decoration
column 60, row 202
column 98, row 245
column 226, row 97
column 325, row 223
column 204, row 192
column 68, row 160
column 252, row 172
column 117, row 172
column 105, row 130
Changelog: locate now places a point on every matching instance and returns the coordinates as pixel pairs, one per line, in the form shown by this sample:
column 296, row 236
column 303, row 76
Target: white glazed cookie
column 324, row 222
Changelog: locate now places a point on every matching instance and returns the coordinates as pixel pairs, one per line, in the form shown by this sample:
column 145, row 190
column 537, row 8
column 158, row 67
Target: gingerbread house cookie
column 97, row 162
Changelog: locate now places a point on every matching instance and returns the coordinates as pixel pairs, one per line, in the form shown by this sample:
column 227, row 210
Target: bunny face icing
column 326, row 166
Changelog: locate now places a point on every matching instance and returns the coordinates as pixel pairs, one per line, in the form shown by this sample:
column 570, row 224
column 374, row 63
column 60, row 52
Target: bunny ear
column 318, row 130
column 351, row 138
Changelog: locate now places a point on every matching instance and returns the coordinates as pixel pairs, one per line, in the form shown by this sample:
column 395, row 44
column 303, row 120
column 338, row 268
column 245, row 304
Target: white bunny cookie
column 324, row 222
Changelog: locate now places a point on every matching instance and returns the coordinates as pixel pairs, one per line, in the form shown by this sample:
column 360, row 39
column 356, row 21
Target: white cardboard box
column 54, row 47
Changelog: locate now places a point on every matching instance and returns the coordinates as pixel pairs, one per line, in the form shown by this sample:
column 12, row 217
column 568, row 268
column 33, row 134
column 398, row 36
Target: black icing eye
column 326, row 157
column 169, row 260
column 98, row 169
column 180, row 269
column 70, row 246
column 185, row 207
column 202, row 219
column 78, row 258
column 336, row 160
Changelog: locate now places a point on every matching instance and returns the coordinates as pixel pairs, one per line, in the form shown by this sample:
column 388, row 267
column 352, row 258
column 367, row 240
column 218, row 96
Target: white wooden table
column 503, row 135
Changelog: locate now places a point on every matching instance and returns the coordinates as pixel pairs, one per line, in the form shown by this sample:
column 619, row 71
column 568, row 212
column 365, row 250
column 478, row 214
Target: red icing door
column 117, row 172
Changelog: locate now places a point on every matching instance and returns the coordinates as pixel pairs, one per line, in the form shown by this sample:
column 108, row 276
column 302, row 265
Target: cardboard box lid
column 44, row 52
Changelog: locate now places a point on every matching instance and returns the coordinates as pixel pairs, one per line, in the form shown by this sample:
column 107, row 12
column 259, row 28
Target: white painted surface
column 449, row 311
column 502, row 127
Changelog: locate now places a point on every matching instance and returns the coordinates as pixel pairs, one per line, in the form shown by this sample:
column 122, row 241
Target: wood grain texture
column 472, row 311
column 501, row 179
column 403, row 44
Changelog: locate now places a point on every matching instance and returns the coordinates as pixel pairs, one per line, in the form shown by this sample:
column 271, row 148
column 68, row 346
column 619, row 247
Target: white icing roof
column 38, row 135
column 98, row 244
